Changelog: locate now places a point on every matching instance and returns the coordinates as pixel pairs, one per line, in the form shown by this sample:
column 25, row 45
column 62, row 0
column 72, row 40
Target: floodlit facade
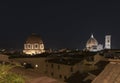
column 33, row 45
column 92, row 44
column 108, row 42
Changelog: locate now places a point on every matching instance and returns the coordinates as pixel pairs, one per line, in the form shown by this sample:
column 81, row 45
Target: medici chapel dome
column 34, row 38
column 91, row 42
column 33, row 45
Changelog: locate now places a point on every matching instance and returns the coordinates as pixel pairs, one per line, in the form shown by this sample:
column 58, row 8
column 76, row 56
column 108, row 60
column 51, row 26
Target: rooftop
column 64, row 61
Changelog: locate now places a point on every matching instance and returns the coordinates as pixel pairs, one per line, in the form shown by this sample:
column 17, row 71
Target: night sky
column 61, row 24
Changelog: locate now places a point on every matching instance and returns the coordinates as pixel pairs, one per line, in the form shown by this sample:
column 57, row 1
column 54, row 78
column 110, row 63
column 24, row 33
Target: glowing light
column 33, row 45
column 36, row 65
column 24, row 63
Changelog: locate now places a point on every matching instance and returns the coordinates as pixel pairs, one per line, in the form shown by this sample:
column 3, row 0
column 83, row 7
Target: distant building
column 108, row 42
column 92, row 44
column 62, row 68
column 33, row 45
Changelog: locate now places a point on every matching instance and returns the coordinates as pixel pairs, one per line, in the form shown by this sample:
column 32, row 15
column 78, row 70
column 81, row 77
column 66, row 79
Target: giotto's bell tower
column 108, row 42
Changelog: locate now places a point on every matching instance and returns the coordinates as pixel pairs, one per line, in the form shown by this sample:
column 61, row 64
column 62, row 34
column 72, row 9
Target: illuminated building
column 92, row 44
column 33, row 45
column 108, row 42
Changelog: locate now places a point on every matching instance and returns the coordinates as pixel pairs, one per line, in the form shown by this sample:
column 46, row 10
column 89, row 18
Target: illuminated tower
column 108, row 42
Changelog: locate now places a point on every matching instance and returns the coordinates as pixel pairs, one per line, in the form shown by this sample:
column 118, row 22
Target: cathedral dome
column 33, row 45
column 34, row 38
column 92, row 42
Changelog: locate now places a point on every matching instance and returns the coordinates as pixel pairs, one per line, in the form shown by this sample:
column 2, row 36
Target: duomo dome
column 33, row 45
column 92, row 42
column 34, row 38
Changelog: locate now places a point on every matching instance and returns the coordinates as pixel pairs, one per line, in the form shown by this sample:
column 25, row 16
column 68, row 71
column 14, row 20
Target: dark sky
column 61, row 24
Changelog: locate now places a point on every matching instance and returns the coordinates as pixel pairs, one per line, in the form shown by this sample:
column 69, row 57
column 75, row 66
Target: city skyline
column 60, row 24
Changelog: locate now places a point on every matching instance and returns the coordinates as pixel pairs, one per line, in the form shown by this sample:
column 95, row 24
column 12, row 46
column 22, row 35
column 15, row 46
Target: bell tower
column 108, row 42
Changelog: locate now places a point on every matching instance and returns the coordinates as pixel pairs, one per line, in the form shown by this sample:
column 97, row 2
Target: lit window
column 24, row 63
column 36, row 46
column 36, row 66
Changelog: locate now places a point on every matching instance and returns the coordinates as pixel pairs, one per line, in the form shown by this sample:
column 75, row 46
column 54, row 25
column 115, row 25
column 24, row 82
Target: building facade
column 33, row 45
column 108, row 42
column 92, row 45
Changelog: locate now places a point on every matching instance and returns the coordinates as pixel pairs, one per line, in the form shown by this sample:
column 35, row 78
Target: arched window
column 35, row 46
column 41, row 46
column 28, row 46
